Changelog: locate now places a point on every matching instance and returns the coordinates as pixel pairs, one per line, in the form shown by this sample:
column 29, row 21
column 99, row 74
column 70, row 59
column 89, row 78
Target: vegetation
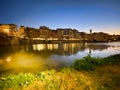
column 87, row 63
column 86, row 74
column 90, row 63
column 16, row 81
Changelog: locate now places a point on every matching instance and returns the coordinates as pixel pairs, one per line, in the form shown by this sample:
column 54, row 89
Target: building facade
column 9, row 29
column 101, row 37
column 67, row 34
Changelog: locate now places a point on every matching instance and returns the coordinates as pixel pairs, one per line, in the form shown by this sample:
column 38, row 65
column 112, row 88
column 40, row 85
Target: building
column 22, row 32
column 115, row 37
column 65, row 34
column 82, row 36
column 31, row 33
column 101, row 37
column 60, row 33
column 9, row 29
column 75, row 35
column 53, row 35
column 68, row 34
column 22, row 29
column 44, row 33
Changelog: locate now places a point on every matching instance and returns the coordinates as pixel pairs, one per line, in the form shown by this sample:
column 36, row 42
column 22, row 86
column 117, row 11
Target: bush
column 87, row 63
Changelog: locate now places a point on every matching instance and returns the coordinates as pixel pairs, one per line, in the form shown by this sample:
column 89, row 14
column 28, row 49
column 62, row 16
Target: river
column 39, row 57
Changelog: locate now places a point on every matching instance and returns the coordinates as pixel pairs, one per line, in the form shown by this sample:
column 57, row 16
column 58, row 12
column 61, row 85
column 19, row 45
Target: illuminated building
column 44, row 33
column 9, row 29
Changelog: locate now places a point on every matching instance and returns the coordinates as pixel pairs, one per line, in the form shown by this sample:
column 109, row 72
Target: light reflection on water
column 38, row 57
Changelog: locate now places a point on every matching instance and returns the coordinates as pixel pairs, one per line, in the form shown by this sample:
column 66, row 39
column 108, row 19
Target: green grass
column 103, row 75
column 13, row 80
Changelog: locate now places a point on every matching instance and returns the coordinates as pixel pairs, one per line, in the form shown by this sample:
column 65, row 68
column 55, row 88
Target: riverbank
column 86, row 74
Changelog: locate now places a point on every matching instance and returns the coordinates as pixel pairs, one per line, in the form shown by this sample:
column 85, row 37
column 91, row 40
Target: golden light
column 6, row 30
column 50, row 47
column 40, row 47
column 22, row 62
column 55, row 46
column 1, row 61
column 8, row 59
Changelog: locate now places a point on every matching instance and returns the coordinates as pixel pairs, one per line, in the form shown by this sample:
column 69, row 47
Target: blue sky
column 98, row 15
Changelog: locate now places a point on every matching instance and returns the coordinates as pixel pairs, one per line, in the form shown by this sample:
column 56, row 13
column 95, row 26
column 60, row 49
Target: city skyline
column 83, row 15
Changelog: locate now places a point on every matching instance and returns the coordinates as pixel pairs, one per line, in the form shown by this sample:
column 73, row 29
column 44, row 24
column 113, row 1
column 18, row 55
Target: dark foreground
column 85, row 74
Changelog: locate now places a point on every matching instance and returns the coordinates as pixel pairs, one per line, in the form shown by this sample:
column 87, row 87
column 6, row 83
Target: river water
column 39, row 57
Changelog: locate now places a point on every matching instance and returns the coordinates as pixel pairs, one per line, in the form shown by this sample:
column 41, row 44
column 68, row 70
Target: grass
column 86, row 74
column 16, row 81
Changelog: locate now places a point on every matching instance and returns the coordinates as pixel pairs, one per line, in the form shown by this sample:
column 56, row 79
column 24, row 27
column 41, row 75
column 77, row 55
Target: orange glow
column 6, row 30
column 8, row 59
column 112, row 31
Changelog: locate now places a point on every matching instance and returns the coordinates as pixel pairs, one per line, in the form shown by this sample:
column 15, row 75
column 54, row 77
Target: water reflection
column 38, row 57
column 71, row 48
column 40, row 47
column 60, row 49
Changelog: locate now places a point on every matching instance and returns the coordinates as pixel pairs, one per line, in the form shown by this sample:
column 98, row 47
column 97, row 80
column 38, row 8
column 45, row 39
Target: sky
column 83, row 15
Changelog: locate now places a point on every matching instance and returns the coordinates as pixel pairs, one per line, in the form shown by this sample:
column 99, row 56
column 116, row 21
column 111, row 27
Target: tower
column 22, row 29
column 90, row 31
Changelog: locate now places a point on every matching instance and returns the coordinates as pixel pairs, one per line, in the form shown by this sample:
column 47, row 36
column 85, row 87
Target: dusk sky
column 98, row 15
